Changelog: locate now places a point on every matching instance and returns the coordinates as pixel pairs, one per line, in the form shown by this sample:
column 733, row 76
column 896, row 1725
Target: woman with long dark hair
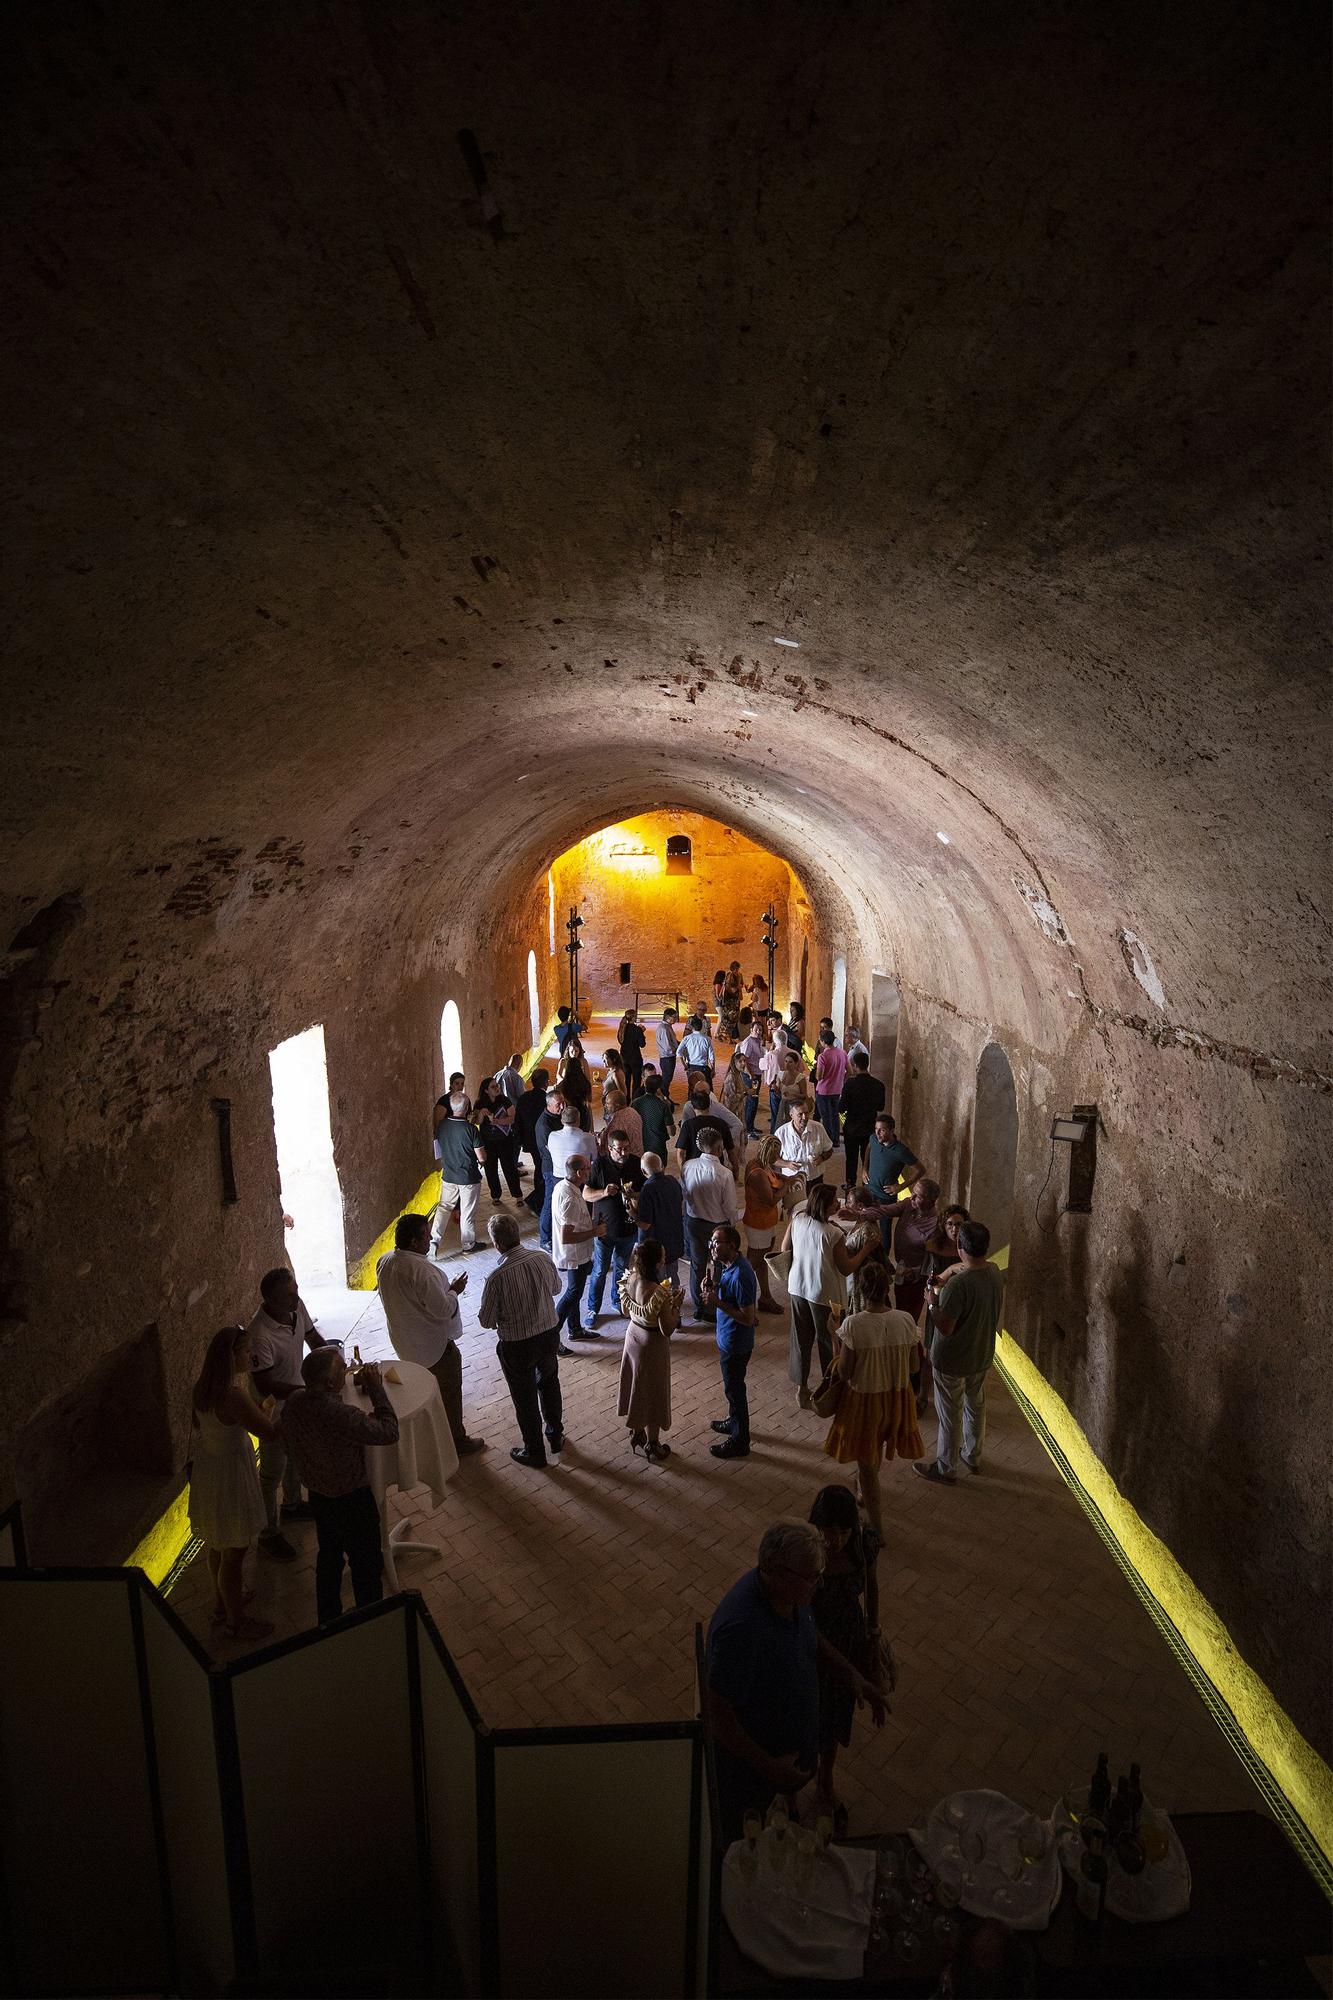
column 652, row 1307
column 226, row 1505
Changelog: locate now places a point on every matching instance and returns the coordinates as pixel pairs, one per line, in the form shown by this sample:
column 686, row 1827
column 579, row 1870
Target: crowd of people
column 655, row 1210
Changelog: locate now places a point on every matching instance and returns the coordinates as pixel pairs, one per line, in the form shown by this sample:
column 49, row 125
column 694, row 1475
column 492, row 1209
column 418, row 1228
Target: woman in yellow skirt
column 876, row 1413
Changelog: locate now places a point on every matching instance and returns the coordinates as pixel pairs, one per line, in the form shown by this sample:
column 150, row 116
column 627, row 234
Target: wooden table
column 1255, row 1916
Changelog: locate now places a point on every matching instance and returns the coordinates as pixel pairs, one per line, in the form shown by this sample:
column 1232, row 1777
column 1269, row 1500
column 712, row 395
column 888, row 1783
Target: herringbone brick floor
column 570, row 1596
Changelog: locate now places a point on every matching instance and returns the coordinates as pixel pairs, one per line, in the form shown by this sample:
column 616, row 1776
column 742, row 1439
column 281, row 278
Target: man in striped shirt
column 518, row 1304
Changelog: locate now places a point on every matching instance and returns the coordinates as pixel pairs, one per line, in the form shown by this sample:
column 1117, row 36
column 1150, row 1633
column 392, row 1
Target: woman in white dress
column 816, row 1283
column 226, row 1505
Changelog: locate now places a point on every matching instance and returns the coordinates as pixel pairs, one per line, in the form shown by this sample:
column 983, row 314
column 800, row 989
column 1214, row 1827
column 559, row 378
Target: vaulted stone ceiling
column 980, row 350
column 430, row 418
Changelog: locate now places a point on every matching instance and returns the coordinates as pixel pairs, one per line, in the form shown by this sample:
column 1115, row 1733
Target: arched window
column 451, row 1040
column 679, row 855
column 534, row 1003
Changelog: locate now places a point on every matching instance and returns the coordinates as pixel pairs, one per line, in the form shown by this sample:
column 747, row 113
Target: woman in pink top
column 830, row 1076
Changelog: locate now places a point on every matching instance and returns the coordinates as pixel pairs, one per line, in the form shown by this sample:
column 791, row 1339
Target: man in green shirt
column 964, row 1319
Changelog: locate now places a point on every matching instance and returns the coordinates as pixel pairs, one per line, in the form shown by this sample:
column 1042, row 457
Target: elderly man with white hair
column 764, row 1654
column 803, row 1147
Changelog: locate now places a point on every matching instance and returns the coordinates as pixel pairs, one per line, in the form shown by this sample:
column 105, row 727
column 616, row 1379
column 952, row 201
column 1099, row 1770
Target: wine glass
column 1034, row 1839
column 907, row 1944
column 803, row 1869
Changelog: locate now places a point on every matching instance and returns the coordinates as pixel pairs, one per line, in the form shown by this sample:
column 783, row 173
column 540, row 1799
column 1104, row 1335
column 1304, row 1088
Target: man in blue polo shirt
column 763, row 1675
column 731, row 1286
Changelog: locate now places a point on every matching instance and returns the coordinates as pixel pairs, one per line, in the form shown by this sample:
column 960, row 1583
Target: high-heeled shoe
column 638, row 1440
column 657, row 1451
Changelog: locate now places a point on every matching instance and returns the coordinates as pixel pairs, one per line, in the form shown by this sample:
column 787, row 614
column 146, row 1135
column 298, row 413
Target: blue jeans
column 774, row 1106
column 569, row 1301
column 826, row 1111
column 751, row 1112
column 544, row 1227
column 610, row 1256
column 738, row 1403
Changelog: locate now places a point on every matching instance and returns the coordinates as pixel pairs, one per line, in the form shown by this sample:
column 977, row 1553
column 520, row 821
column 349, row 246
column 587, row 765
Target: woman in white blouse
column 817, row 1282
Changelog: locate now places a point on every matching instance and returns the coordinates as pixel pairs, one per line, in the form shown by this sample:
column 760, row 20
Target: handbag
column 827, row 1396
column 778, row 1265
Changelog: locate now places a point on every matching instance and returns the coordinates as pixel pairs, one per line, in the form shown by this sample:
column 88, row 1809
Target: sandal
column 220, row 1611
column 250, row 1628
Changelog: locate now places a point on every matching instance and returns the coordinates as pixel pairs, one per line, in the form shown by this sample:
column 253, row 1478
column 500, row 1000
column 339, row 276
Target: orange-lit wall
column 673, row 929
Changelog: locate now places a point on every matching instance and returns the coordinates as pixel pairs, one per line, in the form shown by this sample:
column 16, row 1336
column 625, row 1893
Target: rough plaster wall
column 381, row 534
column 674, row 930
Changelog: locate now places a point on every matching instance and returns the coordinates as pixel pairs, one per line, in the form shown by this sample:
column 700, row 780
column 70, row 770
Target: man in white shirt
column 519, row 1303
column 421, row 1311
column 573, row 1233
column 564, row 1144
column 696, row 1051
column 803, row 1146
column 279, row 1333
column 710, row 1198
column 666, row 1047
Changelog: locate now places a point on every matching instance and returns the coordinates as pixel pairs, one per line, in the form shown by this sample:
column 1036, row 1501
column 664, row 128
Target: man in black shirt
column 862, row 1097
column 527, row 1111
column 548, row 1122
column 698, row 1118
column 615, row 1174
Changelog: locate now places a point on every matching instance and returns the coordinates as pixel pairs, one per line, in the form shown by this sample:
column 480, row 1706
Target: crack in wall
column 1169, row 1035
column 1162, row 1035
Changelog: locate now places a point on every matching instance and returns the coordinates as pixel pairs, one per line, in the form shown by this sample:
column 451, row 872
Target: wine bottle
column 1099, row 1791
column 1090, row 1895
column 1135, row 1798
column 1118, row 1821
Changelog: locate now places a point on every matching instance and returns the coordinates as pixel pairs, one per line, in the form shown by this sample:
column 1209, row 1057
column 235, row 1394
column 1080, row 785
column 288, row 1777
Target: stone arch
column 994, row 1146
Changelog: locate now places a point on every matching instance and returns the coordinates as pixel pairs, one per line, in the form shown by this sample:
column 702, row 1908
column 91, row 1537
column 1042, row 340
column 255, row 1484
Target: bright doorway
column 307, row 1175
column 451, row 1040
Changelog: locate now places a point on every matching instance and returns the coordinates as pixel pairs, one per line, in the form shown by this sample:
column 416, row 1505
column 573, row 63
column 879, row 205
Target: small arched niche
column 838, row 1004
column 885, row 1013
column 994, row 1147
column 534, row 1001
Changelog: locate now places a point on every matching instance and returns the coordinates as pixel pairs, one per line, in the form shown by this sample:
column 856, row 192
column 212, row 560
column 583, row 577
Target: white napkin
column 763, row 1913
column 986, row 1889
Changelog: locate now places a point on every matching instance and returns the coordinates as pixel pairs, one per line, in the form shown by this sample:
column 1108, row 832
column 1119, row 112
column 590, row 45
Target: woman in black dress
column 632, row 1041
column 846, row 1609
column 494, row 1116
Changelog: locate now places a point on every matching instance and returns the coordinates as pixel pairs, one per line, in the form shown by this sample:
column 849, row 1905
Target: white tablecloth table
column 423, row 1456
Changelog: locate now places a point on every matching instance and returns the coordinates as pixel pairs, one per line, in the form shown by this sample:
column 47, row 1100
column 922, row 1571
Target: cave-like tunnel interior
column 893, row 436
